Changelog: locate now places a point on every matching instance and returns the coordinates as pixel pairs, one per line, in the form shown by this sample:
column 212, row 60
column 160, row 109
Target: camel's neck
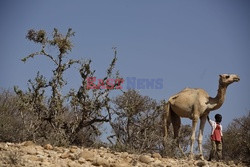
column 217, row 101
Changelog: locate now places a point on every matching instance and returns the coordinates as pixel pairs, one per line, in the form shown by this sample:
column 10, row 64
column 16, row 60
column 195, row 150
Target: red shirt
column 216, row 136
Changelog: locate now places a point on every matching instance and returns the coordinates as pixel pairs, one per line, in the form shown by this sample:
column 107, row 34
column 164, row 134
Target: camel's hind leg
column 194, row 123
column 202, row 125
column 166, row 123
column 176, row 122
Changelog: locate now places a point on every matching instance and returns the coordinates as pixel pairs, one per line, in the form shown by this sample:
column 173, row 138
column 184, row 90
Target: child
column 216, row 137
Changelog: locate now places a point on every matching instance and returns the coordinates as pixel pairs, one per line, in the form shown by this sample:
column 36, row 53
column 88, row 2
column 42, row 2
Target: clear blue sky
column 185, row 43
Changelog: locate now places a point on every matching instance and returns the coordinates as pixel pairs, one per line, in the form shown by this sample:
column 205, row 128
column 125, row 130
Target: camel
column 194, row 104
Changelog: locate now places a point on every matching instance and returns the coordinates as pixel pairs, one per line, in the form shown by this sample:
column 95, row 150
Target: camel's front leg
column 202, row 125
column 194, row 123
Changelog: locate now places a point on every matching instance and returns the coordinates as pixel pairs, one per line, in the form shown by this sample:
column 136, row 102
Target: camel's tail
column 166, row 113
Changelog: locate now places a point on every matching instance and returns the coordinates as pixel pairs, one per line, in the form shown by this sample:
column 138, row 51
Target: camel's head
column 226, row 79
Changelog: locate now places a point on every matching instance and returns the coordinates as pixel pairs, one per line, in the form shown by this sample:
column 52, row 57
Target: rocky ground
column 30, row 155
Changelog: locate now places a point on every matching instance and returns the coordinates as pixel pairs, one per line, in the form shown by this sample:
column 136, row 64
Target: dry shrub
column 236, row 139
column 137, row 126
column 11, row 124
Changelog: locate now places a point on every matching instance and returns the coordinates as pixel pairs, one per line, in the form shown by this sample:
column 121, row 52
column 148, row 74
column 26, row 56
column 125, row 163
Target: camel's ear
column 220, row 76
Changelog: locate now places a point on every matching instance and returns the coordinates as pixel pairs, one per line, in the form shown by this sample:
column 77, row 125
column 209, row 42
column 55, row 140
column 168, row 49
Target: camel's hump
column 190, row 93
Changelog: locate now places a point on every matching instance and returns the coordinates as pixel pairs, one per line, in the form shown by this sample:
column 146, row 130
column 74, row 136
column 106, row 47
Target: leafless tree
column 57, row 117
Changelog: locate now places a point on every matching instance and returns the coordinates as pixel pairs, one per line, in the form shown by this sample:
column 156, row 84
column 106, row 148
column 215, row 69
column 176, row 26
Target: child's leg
column 213, row 150
column 219, row 149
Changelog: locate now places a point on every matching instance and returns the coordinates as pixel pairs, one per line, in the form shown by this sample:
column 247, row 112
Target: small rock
column 124, row 155
column 52, row 154
column 48, row 147
column 101, row 162
column 74, row 147
column 73, row 150
column 230, row 163
column 81, row 160
column 28, row 143
column 87, row 155
column 156, row 155
column 158, row 163
column 120, row 164
column 9, row 144
column 72, row 157
column 65, row 155
column 170, row 162
column 35, row 158
column 29, row 150
column 58, row 149
column 61, row 164
column 102, row 154
column 3, row 146
column 201, row 163
column 146, row 159
column 45, row 163
column 73, row 164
